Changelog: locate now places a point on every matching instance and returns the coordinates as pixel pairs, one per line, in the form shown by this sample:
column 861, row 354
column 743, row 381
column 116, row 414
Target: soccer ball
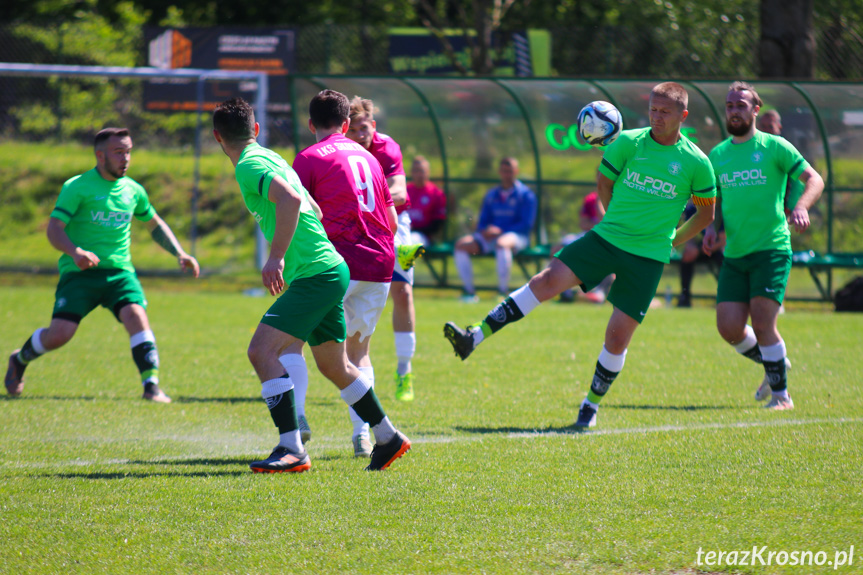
column 599, row 123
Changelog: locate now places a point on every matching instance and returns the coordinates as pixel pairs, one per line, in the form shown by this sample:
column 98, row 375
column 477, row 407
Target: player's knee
column 729, row 331
column 256, row 354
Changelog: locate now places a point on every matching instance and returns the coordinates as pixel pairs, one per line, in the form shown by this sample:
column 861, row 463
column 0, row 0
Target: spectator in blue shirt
column 505, row 222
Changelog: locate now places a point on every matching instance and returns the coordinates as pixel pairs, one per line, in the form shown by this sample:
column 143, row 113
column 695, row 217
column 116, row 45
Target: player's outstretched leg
column 408, row 254
column 514, row 307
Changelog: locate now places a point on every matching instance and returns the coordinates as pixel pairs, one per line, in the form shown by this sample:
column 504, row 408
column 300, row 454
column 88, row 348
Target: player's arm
column 163, row 236
column 315, row 207
column 813, row 186
column 604, row 186
column 398, row 189
column 288, row 202
column 714, row 234
column 60, row 240
column 704, row 213
column 392, row 219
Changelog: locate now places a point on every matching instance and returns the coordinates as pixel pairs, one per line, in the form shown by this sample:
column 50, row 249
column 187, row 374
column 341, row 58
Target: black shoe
column 461, row 339
column 384, row 455
column 586, row 416
column 684, row 300
column 283, row 460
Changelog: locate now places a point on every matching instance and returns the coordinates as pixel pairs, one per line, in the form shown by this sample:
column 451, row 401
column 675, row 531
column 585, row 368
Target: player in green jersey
column 752, row 169
column 644, row 181
column 304, row 267
column 91, row 226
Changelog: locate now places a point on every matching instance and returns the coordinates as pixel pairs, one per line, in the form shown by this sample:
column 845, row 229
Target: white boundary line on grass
column 468, row 439
column 696, row 427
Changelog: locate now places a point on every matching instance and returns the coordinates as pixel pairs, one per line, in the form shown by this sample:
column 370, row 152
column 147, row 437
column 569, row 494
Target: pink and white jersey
column 350, row 187
column 388, row 152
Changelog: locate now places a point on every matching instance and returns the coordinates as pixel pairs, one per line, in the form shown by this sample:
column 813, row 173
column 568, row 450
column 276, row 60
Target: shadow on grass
column 101, row 475
column 570, row 429
column 182, row 399
column 672, row 407
column 219, row 467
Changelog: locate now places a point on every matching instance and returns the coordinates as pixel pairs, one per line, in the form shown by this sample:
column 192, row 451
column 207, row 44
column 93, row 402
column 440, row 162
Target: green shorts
column 591, row 258
column 78, row 293
column 311, row 308
column 759, row 274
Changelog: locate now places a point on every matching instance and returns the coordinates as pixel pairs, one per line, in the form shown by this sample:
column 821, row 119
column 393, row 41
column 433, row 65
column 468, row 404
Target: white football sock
column 275, row 387
column 360, row 426
column 504, row 265
column 465, row 269
column 406, row 345
column 384, row 431
column 611, row 362
column 749, row 340
column 295, row 365
column 775, row 352
column 525, row 299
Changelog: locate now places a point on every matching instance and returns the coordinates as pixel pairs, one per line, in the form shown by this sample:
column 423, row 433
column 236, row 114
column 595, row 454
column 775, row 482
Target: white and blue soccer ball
column 599, row 123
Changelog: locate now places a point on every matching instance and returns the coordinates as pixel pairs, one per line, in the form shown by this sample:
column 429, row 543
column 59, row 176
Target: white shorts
column 403, row 231
column 364, row 303
column 489, row 247
column 403, row 237
column 419, row 238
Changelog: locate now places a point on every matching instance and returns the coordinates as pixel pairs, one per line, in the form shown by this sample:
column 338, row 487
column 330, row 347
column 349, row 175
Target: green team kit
column 752, row 179
column 314, row 270
column 98, row 215
column 652, row 184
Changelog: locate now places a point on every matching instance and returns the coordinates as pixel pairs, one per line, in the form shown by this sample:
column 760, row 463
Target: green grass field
column 94, row 480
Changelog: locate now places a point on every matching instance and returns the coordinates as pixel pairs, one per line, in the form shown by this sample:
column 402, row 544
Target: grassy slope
column 94, row 480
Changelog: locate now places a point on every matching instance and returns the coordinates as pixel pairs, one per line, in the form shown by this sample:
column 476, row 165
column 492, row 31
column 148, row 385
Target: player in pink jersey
column 363, row 130
column 359, row 217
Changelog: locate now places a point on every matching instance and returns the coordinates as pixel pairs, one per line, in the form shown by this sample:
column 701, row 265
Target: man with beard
column 645, row 179
column 91, row 225
column 752, row 169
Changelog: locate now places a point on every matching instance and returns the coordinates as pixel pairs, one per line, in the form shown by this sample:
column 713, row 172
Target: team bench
column 532, row 259
column 437, row 257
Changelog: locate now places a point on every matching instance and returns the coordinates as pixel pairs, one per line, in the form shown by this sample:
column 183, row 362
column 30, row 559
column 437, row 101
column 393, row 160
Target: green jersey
column 310, row 252
column 652, row 184
column 752, row 181
column 98, row 217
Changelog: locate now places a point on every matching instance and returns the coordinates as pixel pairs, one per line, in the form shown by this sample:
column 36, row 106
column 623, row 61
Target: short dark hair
column 329, row 109
column 674, row 92
column 106, row 134
column 746, row 87
column 234, row 119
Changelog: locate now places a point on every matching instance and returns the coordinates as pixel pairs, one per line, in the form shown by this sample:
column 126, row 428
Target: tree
column 787, row 45
column 478, row 22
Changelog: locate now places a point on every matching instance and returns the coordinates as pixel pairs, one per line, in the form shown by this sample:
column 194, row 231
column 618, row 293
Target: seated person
column 589, row 215
column 428, row 204
column 505, row 221
column 692, row 254
column 770, row 122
